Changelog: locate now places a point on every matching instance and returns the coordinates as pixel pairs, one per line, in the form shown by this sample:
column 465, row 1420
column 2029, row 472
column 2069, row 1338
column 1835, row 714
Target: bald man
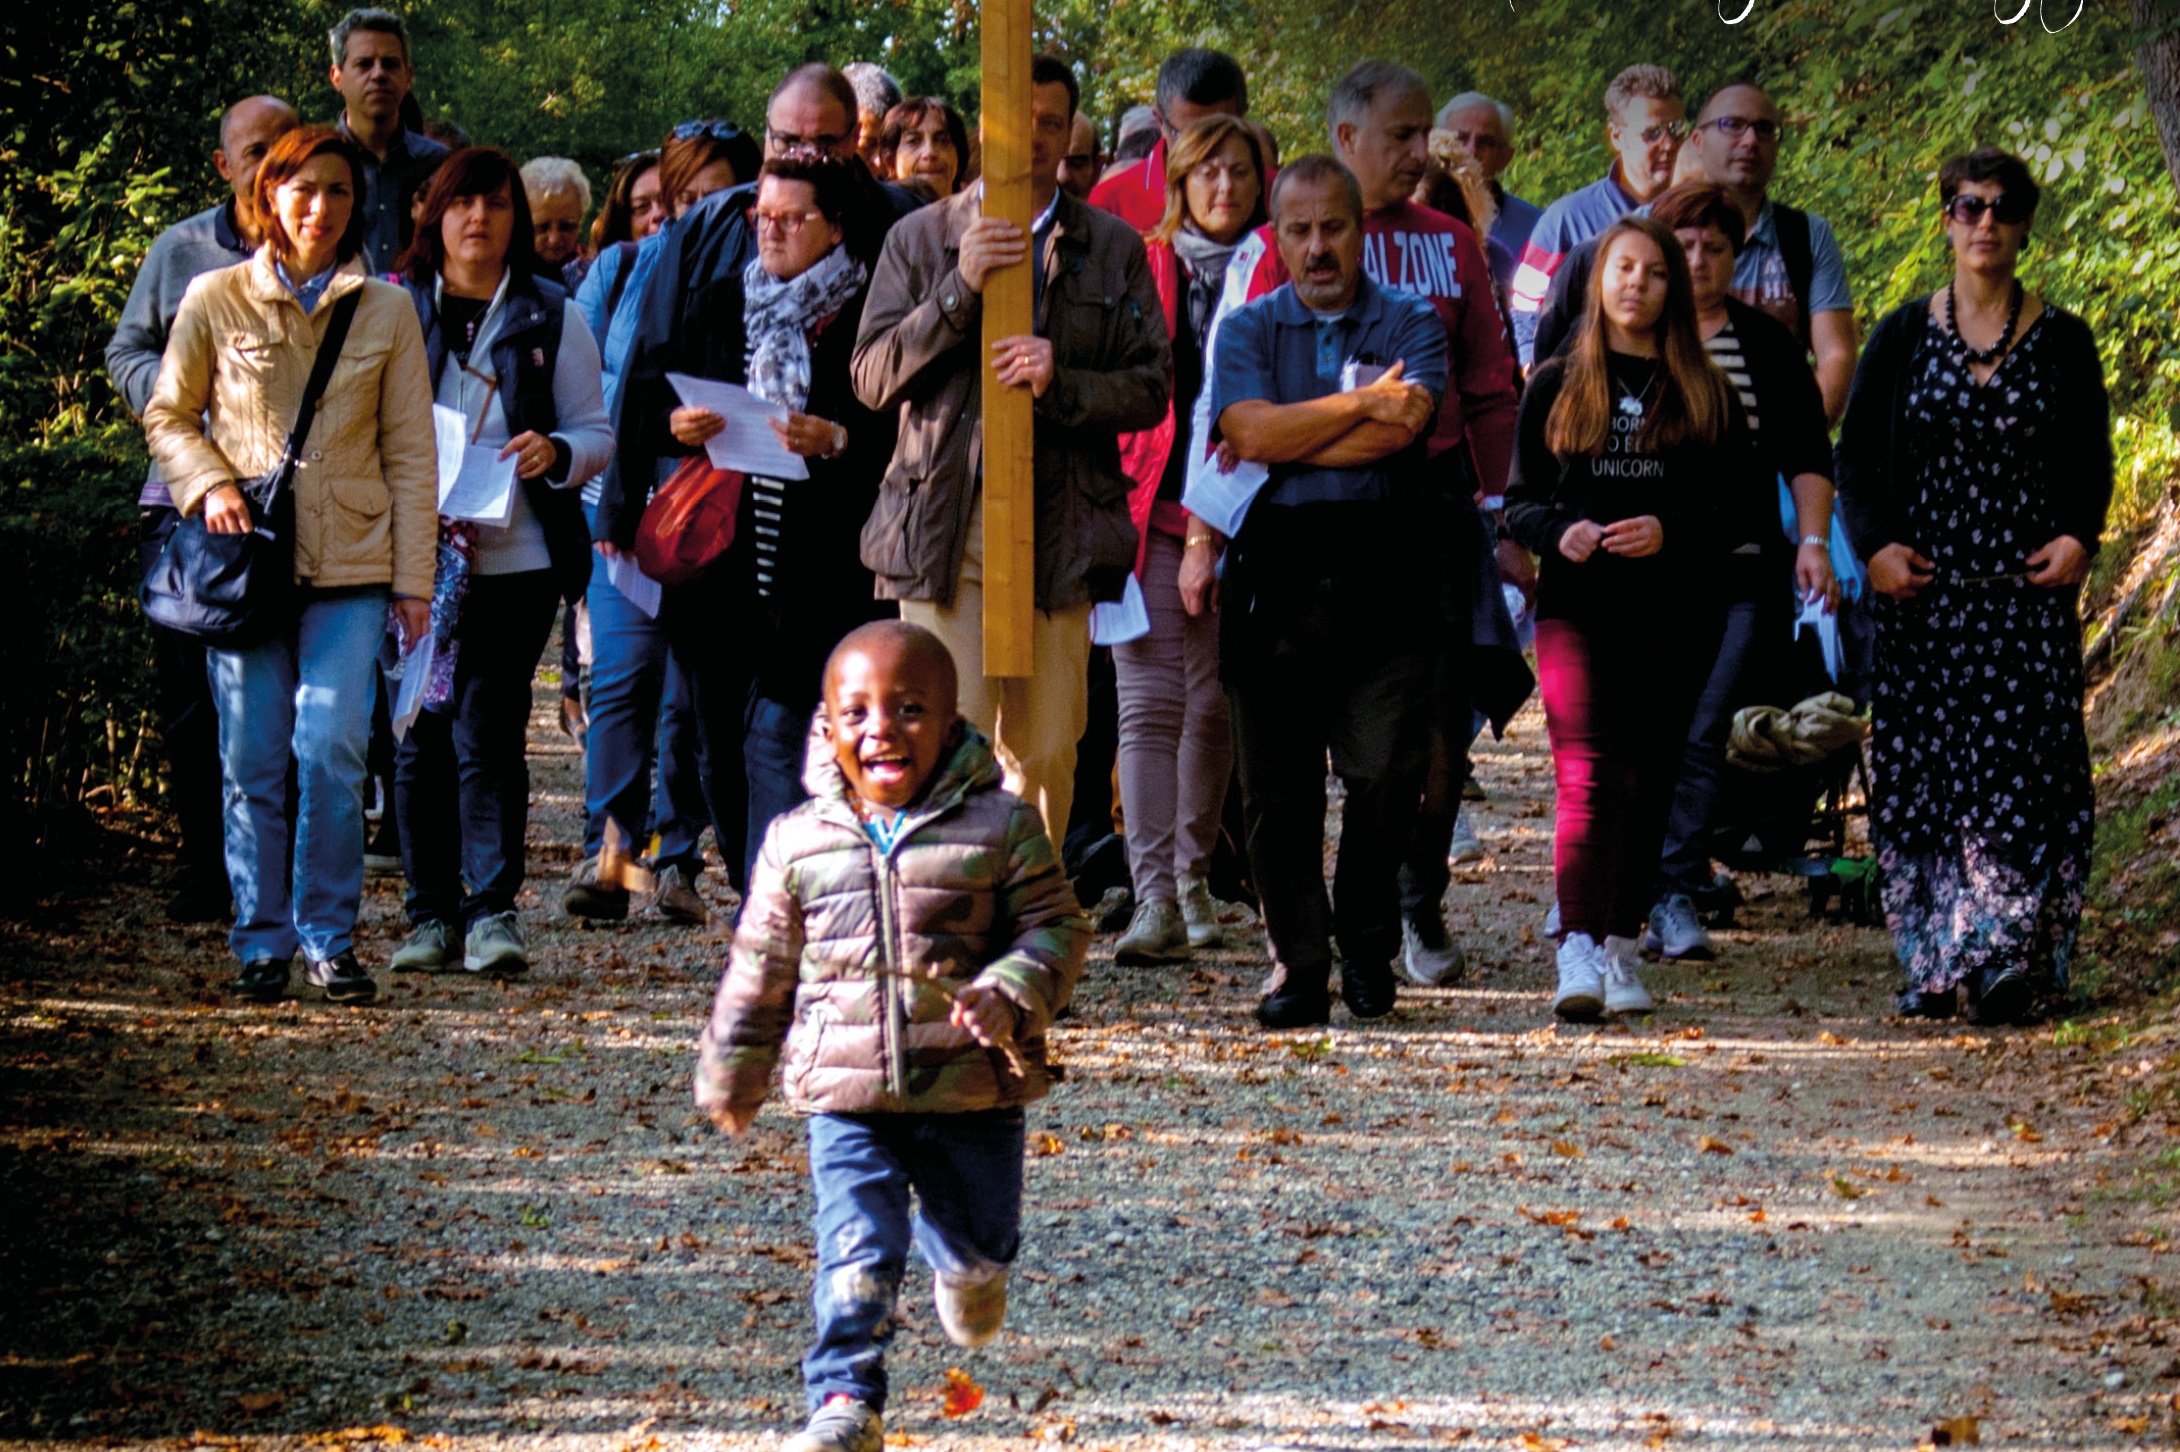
column 220, row 236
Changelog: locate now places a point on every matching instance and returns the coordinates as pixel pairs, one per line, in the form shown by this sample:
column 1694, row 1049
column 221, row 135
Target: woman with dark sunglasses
column 1974, row 469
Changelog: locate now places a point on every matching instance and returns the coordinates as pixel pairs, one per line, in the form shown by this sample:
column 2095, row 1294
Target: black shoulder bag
column 235, row 591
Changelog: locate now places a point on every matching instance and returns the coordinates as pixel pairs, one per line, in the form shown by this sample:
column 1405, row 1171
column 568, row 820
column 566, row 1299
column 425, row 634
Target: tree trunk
column 2157, row 56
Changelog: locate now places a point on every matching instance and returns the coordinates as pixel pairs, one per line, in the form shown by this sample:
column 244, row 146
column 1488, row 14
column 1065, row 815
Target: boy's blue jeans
column 966, row 1170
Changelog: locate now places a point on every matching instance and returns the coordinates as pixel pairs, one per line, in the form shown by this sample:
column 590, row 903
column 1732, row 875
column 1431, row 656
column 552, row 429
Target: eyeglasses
column 1731, row 127
column 1968, row 209
column 789, row 141
column 636, row 157
column 1656, row 133
column 787, row 224
column 716, row 130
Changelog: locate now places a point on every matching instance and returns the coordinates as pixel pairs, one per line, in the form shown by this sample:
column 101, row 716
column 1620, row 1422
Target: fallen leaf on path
column 1847, row 1189
column 962, row 1395
column 1043, row 1144
column 258, row 1401
column 1566, row 1149
column 1712, row 1146
column 1956, row 1432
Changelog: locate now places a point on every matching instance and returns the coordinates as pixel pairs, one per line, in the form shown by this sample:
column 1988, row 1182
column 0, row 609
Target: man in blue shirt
column 1332, row 617
column 1484, row 128
column 372, row 72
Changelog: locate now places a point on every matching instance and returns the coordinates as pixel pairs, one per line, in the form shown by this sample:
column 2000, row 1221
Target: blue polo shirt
column 1277, row 350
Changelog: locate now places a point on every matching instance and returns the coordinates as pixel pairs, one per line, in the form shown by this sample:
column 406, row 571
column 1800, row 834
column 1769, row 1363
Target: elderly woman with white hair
column 559, row 197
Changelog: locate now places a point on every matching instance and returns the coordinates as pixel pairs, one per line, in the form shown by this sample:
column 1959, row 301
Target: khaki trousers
column 1034, row 721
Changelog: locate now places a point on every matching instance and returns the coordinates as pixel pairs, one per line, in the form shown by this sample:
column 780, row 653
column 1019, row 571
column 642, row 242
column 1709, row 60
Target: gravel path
column 484, row 1214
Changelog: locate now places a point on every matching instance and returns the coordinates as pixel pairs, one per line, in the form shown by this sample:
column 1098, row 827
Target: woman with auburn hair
column 925, row 145
column 518, row 363
column 1176, row 751
column 364, row 522
column 1630, row 454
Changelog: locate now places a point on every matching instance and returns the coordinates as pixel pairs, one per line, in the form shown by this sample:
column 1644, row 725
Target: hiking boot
column 1200, row 911
column 970, row 1311
column 1466, row 846
column 263, row 980
column 1155, row 935
column 1428, row 955
column 1581, row 992
column 1624, row 991
column 1674, row 933
column 494, row 946
column 584, row 898
column 342, row 978
column 431, row 948
column 675, row 899
column 843, row 1424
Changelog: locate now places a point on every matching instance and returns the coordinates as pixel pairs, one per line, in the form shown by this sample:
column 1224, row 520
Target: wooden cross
column 1010, row 488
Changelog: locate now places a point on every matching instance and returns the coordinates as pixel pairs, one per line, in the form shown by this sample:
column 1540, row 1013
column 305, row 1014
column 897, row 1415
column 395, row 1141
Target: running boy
column 908, row 936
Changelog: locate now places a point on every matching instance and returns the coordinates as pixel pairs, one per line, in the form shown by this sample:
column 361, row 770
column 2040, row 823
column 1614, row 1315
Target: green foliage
column 76, row 694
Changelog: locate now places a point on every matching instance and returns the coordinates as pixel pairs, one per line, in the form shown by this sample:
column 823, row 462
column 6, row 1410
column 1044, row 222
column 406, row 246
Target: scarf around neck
column 1203, row 263
column 780, row 316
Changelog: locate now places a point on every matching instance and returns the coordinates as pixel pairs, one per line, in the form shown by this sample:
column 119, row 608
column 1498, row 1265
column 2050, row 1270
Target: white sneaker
column 1200, row 910
column 841, row 1425
column 1429, row 967
column 1624, row 991
column 1466, row 847
column 1157, row 934
column 1581, row 978
column 1675, row 932
column 971, row 1312
column 1551, row 922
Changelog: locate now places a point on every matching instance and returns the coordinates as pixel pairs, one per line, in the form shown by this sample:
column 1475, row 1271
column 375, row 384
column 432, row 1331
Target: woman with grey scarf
column 1175, row 749
column 793, row 582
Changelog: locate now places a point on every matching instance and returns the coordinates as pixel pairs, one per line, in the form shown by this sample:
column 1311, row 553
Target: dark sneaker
column 343, row 979
column 1368, row 989
column 1294, row 1007
column 263, row 980
column 584, row 898
column 2002, row 996
column 432, row 948
column 675, row 899
column 843, row 1424
column 494, row 945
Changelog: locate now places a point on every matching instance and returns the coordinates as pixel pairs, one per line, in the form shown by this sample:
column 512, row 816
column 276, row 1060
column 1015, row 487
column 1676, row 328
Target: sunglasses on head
column 634, row 157
column 1968, row 210
column 717, row 130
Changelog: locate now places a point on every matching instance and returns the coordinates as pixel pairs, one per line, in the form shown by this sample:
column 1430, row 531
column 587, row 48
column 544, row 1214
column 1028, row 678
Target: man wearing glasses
column 1645, row 121
column 1484, row 128
column 1790, row 266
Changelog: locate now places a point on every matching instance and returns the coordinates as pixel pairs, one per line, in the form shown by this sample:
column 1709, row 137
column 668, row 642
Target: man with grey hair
column 876, row 93
column 219, row 236
column 372, row 72
column 1192, row 83
column 1645, row 121
column 1484, row 128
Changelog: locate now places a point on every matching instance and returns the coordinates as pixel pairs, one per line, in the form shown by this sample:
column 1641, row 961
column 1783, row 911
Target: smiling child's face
column 890, row 711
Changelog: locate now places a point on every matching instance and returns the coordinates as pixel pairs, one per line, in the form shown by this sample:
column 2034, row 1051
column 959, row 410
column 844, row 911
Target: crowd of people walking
column 1353, row 438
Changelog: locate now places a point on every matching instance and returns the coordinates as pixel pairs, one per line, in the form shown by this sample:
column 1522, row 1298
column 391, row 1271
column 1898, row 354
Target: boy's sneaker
column 584, row 898
column 1581, row 992
column 494, row 946
column 1551, row 922
column 970, row 1311
column 1155, row 935
column 431, row 948
column 1200, row 911
column 843, row 1424
column 342, row 978
column 1674, row 933
column 1624, row 991
column 675, row 898
column 1428, row 954
column 1466, row 846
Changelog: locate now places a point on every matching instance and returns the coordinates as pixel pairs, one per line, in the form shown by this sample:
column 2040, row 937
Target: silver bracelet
column 1818, row 540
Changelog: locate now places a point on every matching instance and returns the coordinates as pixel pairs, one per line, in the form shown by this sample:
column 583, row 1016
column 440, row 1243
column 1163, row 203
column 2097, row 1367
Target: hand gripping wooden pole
column 1010, row 491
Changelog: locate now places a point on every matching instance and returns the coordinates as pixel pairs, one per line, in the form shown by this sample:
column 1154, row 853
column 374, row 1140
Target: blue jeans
column 640, row 713
column 462, row 775
column 966, row 1170
column 308, row 692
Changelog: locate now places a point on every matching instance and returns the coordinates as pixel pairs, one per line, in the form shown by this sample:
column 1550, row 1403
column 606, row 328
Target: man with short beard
column 219, row 236
column 1330, row 618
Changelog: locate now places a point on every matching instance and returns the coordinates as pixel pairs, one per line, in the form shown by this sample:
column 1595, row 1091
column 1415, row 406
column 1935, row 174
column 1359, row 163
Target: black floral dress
column 1982, row 809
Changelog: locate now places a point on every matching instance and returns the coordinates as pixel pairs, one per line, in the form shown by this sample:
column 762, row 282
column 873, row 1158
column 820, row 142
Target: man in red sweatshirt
column 1192, row 84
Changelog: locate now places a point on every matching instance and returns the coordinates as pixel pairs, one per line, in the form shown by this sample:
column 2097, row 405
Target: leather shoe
column 2003, row 996
column 263, row 980
column 1368, row 990
column 1292, row 1008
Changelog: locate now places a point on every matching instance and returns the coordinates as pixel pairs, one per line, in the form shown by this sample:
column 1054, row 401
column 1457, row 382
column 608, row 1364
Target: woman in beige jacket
column 366, row 524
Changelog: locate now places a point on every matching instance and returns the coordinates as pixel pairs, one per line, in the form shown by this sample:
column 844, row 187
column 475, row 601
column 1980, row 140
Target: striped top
column 1724, row 347
column 768, row 504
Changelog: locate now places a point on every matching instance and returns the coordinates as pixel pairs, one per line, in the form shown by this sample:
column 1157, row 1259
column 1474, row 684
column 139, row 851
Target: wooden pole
column 1010, row 502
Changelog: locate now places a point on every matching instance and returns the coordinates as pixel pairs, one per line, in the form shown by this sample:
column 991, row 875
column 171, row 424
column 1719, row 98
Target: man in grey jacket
column 1099, row 365
column 219, row 236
